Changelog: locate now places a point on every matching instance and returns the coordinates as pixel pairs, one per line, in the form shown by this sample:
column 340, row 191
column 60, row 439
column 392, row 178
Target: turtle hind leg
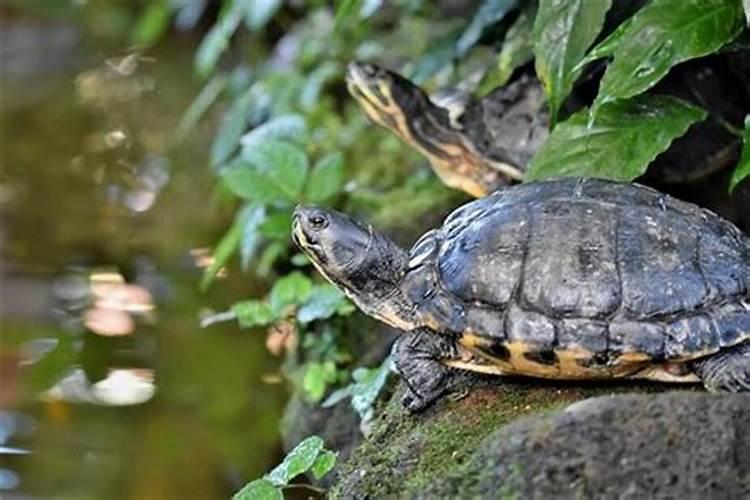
column 417, row 356
column 726, row 371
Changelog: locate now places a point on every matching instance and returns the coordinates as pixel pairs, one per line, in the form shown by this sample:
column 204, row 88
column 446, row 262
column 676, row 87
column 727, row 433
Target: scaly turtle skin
column 565, row 279
column 484, row 145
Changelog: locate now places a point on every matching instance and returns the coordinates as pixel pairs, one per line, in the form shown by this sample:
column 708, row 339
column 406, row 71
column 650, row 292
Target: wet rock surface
column 533, row 439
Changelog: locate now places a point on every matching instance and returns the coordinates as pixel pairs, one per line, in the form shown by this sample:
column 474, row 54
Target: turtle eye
column 318, row 221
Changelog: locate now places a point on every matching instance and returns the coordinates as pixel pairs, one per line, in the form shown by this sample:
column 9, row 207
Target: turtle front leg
column 417, row 355
column 727, row 370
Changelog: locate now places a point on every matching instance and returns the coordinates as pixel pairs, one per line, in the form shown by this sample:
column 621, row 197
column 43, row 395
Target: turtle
column 478, row 145
column 473, row 145
column 573, row 278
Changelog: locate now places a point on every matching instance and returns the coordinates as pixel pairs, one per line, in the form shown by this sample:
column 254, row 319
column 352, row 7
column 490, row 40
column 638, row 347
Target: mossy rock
column 410, row 455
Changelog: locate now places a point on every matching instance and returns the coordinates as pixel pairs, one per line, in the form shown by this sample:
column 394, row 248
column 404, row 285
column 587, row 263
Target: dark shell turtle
column 483, row 144
column 564, row 279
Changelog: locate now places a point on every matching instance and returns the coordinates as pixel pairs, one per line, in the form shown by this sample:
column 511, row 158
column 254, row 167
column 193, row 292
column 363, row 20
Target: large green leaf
column 624, row 139
column 517, row 49
column 563, row 31
column 246, row 181
column 299, row 460
column 282, row 163
column 326, row 179
column 260, row 489
column 743, row 169
column 661, row 35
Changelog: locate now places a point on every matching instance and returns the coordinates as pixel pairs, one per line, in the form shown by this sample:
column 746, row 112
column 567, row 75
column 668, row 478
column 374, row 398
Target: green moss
column 407, row 453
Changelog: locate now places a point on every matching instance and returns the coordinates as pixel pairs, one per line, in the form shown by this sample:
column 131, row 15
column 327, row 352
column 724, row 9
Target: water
column 110, row 389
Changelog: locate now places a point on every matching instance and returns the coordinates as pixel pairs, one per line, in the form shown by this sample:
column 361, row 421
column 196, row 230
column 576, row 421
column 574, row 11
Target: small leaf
column 232, row 127
column 300, row 260
column 488, row 13
column 252, row 313
column 277, row 226
column 292, row 289
column 282, row 163
column 224, row 249
column 517, row 50
column 316, row 379
column 743, row 168
column 207, row 96
column 297, row 461
column 746, row 6
column 322, row 303
column 326, row 179
column 255, row 215
column 364, row 391
column 323, row 464
column 290, row 127
column 369, row 7
column 620, row 144
column 153, row 23
column 216, row 40
column 260, row 489
column 344, row 10
column 260, row 12
column 248, row 181
column 563, row 31
column 662, row 34
column 309, row 97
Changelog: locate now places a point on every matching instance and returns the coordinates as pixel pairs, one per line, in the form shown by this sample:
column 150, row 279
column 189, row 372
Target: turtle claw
column 414, row 403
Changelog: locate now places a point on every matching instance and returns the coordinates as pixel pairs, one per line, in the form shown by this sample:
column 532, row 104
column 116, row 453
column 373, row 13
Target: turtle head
column 364, row 263
column 394, row 102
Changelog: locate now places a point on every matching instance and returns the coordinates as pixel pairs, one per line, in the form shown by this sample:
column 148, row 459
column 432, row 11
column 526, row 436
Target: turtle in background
column 473, row 145
column 563, row 279
column 478, row 145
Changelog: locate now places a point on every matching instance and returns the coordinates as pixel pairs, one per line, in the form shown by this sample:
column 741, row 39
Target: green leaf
column 269, row 256
column 344, row 10
column 517, row 50
column 233, row 125
column 152, row 24
column 277, row 226
column 606, row 47
column 662, row 34
column 224, row 249
column 317, row 377
column 743, row 168
column 323, row 464
column 563, row 31
column 260, row 12
column 309, row 97
column 364, row 391
column 746, row 6
column 216, row 40
column 292, row 289
column 441, row 52
column 326, row 179
column 297, row 461
column 300, row 260
column 247, row 181
column 207, row 96
column 323, row 302
column 260, row 489
column 255, row 215
column 290, row 127
column 624, row 139
column 488, row 13
column 283, row 164
column 252, row 313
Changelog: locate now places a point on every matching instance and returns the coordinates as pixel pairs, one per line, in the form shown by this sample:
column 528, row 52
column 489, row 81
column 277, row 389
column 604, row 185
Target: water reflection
column 110, row 387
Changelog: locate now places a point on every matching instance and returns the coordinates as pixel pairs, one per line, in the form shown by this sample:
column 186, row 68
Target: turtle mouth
column 304, row 241
column 364, row 82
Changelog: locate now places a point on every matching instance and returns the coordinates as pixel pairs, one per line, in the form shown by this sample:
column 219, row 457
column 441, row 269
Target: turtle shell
column 578, row 278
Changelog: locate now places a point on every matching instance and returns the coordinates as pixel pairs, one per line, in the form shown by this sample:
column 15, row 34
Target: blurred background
column 156, row 318
column 109, row 215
